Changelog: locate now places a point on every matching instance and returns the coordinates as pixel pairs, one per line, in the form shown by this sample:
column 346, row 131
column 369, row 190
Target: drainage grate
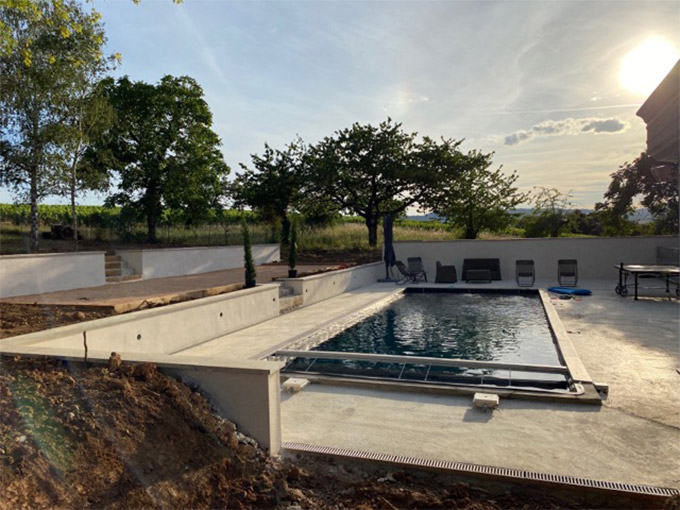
column 463, row 467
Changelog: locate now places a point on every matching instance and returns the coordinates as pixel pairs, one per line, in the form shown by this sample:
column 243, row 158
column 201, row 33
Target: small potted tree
column 292, row 251
column 249, row 264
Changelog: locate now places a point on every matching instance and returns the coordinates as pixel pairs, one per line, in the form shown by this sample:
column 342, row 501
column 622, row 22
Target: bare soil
column 131, row 437
column 20, row 319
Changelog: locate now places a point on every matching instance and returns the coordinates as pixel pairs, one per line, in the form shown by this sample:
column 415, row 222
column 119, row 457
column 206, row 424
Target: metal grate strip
column 495, row 471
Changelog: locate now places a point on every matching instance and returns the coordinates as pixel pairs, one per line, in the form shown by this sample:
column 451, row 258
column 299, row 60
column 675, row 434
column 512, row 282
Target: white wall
column 322, row 286
column 596, row 256
column 166, row 329
column 180, row 261
column 49, row 272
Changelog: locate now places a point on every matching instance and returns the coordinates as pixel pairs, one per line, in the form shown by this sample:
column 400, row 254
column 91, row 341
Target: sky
column 551, row 87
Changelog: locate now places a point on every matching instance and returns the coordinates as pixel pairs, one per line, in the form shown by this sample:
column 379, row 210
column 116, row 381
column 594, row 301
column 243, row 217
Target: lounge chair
column 408, row 276
column 524, row 269
column 415, row 265
column 445, row 274
column 567, row 272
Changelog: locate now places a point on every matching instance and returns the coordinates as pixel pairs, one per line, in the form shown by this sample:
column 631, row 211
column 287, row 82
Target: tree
column 248, row 263
column 274, row 186
column 654, row 185
column 477, row 197
column 37, row 84
column 163, row 149
column 550, row 214
column 373, row 171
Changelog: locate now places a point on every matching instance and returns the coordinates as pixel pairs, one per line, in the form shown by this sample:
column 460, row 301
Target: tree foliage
column 654, row 186
column 273, row 186
column 372, row 171
column 53, row 45
column 550, row 215
column 475, row 196
column 163, row 149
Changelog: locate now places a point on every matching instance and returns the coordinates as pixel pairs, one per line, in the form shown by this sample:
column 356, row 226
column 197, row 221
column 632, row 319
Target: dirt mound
column 131, row 437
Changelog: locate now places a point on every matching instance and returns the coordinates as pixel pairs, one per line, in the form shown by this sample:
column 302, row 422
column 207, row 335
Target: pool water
column 487, row 327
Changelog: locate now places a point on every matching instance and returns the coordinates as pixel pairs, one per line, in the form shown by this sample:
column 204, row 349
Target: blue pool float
column 570, row 291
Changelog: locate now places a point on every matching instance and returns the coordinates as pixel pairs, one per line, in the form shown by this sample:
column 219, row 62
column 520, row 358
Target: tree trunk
column 151, row 227
column 34, row 211
column 372, row 224
column 74, row 211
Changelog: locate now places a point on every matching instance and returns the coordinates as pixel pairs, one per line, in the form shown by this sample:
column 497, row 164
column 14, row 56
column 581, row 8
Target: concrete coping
column 527, row 239
column 325, row 275
column 190, row 248
column 50, row 334
column 43, row 255
column 160, row 360
column 567, row 351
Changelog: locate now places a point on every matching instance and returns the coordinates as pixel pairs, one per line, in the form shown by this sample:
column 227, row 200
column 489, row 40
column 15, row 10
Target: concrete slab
column 634, row 438
column 127, row 296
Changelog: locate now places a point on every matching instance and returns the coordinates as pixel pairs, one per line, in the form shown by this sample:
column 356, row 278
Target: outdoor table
column 670, row 272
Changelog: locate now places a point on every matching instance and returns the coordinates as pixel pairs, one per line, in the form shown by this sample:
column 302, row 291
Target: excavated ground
column 131, row 437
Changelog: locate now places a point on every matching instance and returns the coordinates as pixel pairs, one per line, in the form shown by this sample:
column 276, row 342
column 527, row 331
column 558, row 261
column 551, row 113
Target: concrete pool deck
column 633, row 438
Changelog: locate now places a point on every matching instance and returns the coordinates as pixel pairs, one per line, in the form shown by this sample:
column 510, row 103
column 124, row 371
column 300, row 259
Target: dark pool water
column 488, row 327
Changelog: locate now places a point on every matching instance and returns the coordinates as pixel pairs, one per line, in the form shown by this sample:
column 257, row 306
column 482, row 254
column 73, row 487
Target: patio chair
column 415, row 265
column 445, row 274
column 524, row 269
column 408, row 276
column 567, row 272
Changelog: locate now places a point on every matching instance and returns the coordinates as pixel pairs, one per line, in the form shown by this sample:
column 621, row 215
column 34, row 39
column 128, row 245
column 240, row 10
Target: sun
column 643, row 67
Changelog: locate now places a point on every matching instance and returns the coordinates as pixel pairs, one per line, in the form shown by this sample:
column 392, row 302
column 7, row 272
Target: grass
column 346, row 236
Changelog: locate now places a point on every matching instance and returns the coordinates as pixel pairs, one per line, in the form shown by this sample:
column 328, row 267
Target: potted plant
column 292, row 251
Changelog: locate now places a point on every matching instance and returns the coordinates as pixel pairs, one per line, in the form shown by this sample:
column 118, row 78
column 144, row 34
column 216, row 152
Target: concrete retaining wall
column 243, row 391
column 596, row 256
column 181, row 261
column 49, row 272
column 323, row 286
column 167, row 329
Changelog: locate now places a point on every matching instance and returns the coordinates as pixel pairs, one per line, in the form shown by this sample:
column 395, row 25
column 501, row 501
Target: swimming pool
column 502, row 328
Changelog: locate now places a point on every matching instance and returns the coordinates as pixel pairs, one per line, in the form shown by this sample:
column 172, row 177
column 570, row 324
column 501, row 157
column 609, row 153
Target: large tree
column 656, row 188
column 274, row 185
column 51, row 43
column 164, row 150
column 372, row 171
column 477, row 197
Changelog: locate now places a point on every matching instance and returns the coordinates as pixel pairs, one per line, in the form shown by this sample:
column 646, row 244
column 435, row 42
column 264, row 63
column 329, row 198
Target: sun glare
column 643, row 67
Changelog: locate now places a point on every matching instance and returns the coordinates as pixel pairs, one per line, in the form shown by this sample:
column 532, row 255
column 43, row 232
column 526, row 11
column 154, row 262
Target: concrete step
column 113, row 279
column 112, row 265
column 130, row 277
column 113, row 272
column 289, row 303
column 112, row 258
column 285, row 291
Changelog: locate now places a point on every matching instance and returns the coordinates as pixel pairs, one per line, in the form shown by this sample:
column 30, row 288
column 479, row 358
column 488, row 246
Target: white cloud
column 568, row 126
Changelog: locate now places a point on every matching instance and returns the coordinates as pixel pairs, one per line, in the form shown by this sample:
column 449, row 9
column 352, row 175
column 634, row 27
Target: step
column 130, row 277
column 112, row 258
column 112, row 265
column 113, row 272
column 290, row 303
column 285, row 291
column 113, row 279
